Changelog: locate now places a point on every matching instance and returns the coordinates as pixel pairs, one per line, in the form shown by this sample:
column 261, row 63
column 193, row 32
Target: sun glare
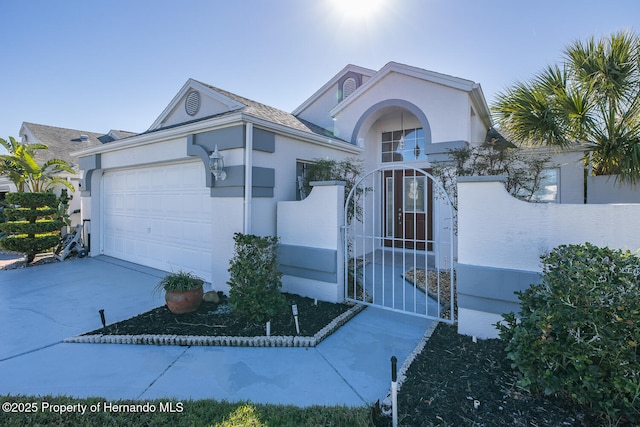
column 358, row 10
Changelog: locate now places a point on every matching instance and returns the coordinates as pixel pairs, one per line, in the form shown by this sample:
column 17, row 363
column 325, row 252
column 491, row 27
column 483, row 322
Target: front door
column 407, row 209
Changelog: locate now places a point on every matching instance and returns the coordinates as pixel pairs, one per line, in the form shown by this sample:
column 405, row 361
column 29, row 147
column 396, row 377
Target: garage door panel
column 160, row 217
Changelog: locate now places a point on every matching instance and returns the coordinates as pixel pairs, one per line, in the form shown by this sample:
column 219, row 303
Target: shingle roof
column 63, row 141
column 274, row 115
column 497, row 138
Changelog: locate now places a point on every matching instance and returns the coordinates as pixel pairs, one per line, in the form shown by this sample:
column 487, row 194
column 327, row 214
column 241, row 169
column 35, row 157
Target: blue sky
column 100, row 65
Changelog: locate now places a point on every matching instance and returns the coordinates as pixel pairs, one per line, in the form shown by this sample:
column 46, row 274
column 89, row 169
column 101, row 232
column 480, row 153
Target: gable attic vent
column 348, row 87
column 192, row 103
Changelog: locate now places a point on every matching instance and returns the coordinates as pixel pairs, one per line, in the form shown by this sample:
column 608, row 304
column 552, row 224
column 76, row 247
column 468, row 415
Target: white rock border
column 191, row 340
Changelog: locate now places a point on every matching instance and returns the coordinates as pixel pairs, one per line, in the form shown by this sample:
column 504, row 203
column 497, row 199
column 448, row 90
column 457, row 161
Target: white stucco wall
column 226, row 223
column 287, row 152
column 498, row 230
column 606, row 189
column 158, row 152
column 318, row 111
column 208, row 106
column 447, row 109
column 314, row 223
column 498, row 233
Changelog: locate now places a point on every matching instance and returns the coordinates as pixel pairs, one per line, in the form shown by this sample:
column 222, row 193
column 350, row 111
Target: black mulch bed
column 213, row 319
column 452, row 372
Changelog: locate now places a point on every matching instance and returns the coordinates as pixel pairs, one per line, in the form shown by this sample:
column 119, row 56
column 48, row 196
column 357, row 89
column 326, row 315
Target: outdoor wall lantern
column 216, row 165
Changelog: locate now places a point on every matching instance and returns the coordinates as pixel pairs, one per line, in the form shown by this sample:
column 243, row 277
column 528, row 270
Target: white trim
column 482, row 108
column 353, row 68
column 162, row 135
column 308, row 137
column 432, row 76
column 248, row 178
column 216, row 123
column 190, row 85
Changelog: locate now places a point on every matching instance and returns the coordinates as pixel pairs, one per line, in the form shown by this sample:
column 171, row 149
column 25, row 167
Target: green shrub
column 31, row 224
column 32, row 200
column 579, row 330
column 180, row 281
column 255, row 280
column 19, row 214
column 28, row 245
column 25, row 227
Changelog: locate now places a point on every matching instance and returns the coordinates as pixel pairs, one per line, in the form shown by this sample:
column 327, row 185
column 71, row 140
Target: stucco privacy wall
column 606, row 189
column 501, row 239
column 310, row 253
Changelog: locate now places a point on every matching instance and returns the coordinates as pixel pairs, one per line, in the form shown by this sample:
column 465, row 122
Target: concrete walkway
column 40, row 306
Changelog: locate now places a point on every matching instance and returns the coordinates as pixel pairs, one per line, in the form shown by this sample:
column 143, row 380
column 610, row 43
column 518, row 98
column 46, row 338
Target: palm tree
column 20, row 166
column 592, row 99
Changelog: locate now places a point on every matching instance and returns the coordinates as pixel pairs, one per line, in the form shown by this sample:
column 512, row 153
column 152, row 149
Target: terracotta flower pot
column 183, row 302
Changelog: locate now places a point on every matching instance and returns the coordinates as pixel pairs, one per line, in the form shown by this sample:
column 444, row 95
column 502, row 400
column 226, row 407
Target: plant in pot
column 182, row 291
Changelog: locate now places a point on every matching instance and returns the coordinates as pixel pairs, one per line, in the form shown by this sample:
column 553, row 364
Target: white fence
column 501, row 239
column 310, row 254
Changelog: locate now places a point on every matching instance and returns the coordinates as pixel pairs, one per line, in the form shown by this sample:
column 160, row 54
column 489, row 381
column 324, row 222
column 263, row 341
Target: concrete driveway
column 40, row 306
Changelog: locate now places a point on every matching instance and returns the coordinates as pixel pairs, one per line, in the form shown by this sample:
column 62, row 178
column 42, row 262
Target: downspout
column 248, row 177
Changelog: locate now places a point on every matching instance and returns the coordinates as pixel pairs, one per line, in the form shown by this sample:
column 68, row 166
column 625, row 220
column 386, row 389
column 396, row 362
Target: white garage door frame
column 159, row 216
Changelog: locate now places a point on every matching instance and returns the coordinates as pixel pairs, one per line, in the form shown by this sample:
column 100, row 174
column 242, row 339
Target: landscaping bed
column 452, row 375
column 217, row 324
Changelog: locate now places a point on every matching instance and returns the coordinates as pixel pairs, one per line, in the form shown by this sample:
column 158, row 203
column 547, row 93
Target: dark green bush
column 24, row 227
column 579, row 330
column 31, row 224
column 255, row 280
column 32, row 200
column 30, row 245
column 18, row 214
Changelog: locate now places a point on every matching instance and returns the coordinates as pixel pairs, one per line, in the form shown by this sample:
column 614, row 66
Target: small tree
column 22, row 169
column 348, row 170
column 523, row 172
column 30, row 223
column 592, row 98
column 255, row 280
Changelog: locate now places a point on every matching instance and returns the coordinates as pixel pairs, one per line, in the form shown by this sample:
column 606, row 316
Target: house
column 61, row 143
column 152, row 200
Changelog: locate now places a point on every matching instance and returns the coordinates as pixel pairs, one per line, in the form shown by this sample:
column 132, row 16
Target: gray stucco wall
column 492, row 290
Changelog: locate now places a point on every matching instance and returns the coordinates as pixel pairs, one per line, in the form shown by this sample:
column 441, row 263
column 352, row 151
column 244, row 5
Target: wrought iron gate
column 399, row 243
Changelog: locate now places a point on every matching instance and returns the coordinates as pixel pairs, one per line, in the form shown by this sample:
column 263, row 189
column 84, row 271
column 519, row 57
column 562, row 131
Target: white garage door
column 159, row 216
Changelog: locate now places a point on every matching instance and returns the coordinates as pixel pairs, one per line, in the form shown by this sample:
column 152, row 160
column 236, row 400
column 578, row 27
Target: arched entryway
column 399, row 243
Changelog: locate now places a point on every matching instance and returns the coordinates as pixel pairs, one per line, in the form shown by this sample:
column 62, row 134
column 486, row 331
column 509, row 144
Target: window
column 410, row 148
column 549, row 186
column 301, row 174
column 414, row 194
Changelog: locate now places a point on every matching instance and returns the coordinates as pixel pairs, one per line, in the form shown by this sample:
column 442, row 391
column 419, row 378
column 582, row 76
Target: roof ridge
column 62, row 128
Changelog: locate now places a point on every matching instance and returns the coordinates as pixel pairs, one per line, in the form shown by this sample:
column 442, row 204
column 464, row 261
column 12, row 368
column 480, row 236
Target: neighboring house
column 62, row 142
column 152, row 200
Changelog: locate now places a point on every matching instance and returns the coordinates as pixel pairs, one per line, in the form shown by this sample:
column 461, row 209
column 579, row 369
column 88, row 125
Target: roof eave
column 431, row 76
column 235, row 118
column 334, row 80
column 160, row 135
column 192, row 84
column 299, row 134
column 478, row 98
